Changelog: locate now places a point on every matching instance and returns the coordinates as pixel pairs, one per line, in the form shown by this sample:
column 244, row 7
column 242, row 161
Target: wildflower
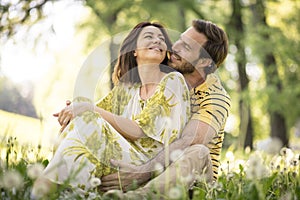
column 270, row 145
column 41, row 188
column 229, row 156
column 92, row 195
column 186, row 179
column 34, row 171
column 12, row 179
column 158, row 168
column 286, row 152
column 275, row 163
column 176, row 154
column 256, row 168
column 295, row 161
column 95, row 182
column 80, row 192
column 175, row 193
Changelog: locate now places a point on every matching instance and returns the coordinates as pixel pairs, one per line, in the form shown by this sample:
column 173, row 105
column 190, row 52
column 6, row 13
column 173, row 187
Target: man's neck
column 194, row 79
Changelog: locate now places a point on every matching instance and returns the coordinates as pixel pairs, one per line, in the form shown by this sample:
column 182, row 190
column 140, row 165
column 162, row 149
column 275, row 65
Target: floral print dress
column 89, row 142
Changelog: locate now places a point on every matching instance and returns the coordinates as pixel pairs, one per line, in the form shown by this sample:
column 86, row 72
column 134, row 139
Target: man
column 200, row 50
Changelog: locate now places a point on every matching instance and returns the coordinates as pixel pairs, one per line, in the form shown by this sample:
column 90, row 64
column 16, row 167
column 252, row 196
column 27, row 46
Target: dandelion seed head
column 95, row 182
column 176, row 154
column 186, row 179
column 35, row 170
column 175, row 193
column 92, row 195
column 80, row 192
column 12, row 179
column 270, row 145
column 158, row 168
column 256, row 169
column 41, row 188
column 286, row 152
column 229, row 156
column 295, row 161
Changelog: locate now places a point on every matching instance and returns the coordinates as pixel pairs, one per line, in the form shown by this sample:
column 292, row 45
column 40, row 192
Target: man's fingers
column 56, row 114
column 110, row 177
column 122, row 165
column 105, row 189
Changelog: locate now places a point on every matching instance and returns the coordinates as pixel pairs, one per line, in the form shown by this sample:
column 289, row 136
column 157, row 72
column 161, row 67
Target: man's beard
column 184, row 68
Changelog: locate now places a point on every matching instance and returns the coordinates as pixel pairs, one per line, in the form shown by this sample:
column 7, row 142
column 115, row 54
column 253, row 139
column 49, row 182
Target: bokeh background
column 44, row 46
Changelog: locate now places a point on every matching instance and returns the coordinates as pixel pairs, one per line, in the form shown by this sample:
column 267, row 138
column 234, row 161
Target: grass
column 255, row 175
column 243, row 175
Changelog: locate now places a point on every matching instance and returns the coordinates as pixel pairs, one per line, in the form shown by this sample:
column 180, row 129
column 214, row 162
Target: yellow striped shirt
column 210, row 103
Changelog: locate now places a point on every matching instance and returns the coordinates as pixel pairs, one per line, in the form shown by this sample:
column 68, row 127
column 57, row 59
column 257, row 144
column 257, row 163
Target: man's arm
column 195, row 132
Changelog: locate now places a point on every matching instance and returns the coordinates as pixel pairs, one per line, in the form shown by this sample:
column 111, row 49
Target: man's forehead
column 192, row 36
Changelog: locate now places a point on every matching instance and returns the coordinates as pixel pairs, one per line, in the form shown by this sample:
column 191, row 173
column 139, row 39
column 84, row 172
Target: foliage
column 12, row 100
column 262, row 176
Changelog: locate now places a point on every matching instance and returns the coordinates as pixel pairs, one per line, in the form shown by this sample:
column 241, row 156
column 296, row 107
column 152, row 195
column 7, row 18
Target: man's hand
column 128, row 177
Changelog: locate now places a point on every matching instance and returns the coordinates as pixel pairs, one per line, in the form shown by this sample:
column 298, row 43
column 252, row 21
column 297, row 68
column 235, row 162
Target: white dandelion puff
column 34, row 171
column 256, row 169
column 158, row 168
column 41, row 188
column 12, row 179
column 95, row 182
column 176, row 154
column 175, row 193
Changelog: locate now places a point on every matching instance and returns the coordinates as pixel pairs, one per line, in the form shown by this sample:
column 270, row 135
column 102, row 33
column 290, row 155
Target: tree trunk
column 277, row 120
column 237, row 35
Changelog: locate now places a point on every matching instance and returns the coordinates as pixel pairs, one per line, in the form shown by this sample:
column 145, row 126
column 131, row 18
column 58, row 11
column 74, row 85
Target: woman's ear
column 134, row 54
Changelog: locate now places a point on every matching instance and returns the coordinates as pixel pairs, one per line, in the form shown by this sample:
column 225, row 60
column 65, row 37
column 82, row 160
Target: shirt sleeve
column 167, row 111
column 213, row 110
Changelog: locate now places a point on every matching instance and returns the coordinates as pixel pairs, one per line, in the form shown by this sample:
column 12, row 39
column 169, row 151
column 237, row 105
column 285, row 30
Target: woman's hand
column 71, row 111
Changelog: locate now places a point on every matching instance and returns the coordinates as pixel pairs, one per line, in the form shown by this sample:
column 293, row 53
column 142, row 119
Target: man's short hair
column 216, row 46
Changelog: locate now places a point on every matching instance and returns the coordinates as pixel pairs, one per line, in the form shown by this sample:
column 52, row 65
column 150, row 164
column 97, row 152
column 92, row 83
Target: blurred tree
column 265, row 51
column 12, row 100
column 235, row 29
column 14, row 14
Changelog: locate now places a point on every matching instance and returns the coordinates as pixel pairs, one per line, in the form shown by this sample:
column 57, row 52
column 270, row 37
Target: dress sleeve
column 106, row 102
column 117, row 99
column 166, row 113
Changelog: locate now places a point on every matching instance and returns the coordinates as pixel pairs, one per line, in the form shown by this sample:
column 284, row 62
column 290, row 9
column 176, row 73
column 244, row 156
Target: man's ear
column 203, row 62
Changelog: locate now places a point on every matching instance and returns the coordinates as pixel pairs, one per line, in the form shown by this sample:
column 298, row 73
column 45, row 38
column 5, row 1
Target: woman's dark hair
column 126, row 67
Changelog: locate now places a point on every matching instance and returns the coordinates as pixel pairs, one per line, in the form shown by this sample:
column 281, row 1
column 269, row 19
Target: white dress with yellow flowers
column 89, row 142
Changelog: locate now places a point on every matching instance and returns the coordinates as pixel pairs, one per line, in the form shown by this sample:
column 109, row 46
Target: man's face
column 186, row 51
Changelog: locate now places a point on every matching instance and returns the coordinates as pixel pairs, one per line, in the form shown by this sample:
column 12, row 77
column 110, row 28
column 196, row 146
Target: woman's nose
column 157, row 40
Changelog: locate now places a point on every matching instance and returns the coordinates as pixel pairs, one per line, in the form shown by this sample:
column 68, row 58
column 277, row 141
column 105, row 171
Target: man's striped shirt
column 210, row 103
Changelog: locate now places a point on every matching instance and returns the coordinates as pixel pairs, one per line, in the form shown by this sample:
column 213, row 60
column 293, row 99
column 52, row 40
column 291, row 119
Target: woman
column 146, row 110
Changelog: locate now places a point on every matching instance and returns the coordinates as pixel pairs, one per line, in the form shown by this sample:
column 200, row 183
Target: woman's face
column 151, row 46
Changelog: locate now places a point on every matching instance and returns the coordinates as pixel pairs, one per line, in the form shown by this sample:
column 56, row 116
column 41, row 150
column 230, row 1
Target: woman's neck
column 150, row 76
